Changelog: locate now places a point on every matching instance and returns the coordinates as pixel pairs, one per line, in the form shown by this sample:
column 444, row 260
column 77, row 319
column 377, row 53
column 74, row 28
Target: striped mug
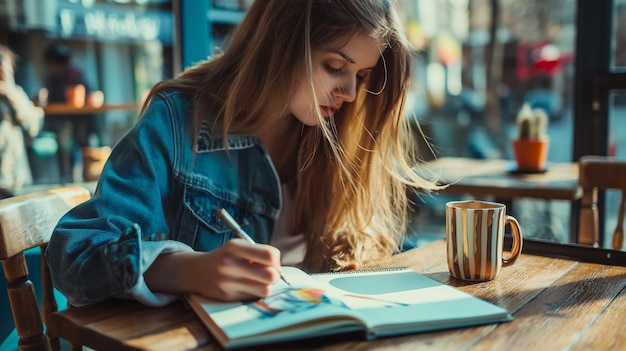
column 475, row 236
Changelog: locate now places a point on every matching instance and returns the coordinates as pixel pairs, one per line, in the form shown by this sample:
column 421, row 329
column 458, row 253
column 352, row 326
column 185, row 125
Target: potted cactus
column 530, row 149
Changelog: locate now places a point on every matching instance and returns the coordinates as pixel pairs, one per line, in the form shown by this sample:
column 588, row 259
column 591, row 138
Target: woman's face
column 337, row 70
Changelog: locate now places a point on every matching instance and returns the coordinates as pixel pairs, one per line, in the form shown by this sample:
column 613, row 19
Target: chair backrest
column 27, row 221
column 600, row 173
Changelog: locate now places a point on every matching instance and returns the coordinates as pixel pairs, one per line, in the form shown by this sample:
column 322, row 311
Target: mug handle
column 517, row 241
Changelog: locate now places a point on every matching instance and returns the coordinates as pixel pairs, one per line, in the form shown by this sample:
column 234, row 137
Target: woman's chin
column 312, row 121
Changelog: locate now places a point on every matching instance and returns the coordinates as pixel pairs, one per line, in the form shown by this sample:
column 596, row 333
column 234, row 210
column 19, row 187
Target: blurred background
column 476, row 63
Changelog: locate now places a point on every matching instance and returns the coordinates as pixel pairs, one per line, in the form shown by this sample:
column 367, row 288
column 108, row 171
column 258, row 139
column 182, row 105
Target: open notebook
column 379, row 303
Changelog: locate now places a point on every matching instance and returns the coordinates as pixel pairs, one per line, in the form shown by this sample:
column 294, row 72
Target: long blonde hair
column 351, row 196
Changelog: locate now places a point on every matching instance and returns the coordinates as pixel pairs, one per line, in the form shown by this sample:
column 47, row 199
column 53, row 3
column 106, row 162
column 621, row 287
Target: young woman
column 296, row 130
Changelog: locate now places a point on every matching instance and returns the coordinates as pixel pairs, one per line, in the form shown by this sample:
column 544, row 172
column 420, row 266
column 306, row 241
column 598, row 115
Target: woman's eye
column 332, row 69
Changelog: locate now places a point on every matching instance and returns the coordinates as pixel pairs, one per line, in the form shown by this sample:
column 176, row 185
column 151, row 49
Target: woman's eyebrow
column 348, row 58
column 344, row 55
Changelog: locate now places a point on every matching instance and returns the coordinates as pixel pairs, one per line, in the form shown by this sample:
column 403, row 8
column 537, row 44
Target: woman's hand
column 235, row 271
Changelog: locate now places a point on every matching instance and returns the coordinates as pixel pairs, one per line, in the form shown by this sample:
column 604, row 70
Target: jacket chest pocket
column 198, row 225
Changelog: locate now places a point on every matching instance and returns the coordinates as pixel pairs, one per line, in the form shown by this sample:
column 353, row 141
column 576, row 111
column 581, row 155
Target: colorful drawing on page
column 292, row 301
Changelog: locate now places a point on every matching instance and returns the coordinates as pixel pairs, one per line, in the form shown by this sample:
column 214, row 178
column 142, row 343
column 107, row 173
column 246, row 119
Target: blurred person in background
column 72, row 130
column 20, row 119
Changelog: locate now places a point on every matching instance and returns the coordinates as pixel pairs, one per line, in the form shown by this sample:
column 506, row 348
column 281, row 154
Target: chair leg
column 72, row 346
column 28, row 321
column 48, row 302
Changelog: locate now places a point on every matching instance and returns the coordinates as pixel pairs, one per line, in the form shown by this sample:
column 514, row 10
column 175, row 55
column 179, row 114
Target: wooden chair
column 600, row 173
column 27, row 221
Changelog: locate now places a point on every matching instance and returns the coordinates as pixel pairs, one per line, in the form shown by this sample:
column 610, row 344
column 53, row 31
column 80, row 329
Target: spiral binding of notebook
column 372, row 270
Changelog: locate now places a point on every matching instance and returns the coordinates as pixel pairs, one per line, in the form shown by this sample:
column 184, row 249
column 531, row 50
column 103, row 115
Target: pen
column 236, row 228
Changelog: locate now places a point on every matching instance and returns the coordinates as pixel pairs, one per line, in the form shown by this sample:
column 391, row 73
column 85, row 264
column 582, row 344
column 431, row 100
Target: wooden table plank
column 177, row 327
column 65, row 109
column 134, row 328
column 561, row 312
column 419, row 260
column 63, row 323
column 607, row 332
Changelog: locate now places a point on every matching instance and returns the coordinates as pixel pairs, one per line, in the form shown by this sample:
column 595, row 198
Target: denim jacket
column 151, row 188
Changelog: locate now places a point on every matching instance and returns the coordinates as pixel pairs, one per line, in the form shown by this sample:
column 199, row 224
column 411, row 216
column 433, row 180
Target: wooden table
column 557, row 304
column 480, row 178
column 53, row 109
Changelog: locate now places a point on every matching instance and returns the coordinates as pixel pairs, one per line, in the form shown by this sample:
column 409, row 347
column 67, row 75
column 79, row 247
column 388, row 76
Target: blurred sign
column 28, row 14
column 129, row 2
column 547, row 58
column 107, row 22
column 540, row 58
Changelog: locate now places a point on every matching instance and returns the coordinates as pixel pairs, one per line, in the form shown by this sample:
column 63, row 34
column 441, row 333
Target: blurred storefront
column 479, row 61
column 123, row 48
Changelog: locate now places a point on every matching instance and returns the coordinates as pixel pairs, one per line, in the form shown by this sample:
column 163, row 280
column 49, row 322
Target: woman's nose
column 346, row 89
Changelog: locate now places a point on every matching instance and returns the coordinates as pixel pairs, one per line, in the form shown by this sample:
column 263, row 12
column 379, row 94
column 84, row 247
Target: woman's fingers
column 259, row 253
column 240, row 270
column 243, row 288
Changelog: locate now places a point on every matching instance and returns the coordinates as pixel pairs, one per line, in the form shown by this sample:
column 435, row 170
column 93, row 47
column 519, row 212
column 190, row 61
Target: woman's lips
column 328, row 110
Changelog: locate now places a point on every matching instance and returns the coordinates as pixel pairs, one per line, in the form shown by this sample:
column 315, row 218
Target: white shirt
column 292, row 247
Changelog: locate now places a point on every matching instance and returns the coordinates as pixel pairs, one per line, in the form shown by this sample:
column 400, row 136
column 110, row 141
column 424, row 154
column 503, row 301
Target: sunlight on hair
column 369, row 134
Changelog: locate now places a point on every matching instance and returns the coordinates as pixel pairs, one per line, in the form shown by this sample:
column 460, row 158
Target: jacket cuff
column 150, row 250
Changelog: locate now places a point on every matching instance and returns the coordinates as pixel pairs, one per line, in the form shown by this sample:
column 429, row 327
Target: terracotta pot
column 530, row 154
column 95, row 98
column 75, row 95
